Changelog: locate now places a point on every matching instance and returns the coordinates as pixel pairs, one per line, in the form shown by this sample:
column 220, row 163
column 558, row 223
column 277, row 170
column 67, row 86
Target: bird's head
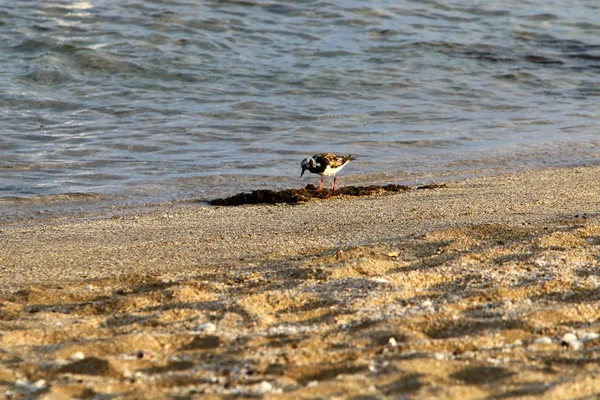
column 305, row 164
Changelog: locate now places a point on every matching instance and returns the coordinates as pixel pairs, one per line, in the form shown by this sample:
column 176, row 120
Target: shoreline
column 19, row 209
column 468, row 290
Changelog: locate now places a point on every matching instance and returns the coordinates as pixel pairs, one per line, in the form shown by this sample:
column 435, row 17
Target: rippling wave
column 188, row 98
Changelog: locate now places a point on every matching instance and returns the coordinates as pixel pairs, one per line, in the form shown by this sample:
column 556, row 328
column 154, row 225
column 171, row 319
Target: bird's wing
column 335, row 161
column 331, row 159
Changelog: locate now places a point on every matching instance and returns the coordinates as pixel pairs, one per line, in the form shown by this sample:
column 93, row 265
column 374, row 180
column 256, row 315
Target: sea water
column 146, row 101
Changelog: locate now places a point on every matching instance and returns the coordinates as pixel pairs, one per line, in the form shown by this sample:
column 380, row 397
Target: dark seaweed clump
column 295, row 196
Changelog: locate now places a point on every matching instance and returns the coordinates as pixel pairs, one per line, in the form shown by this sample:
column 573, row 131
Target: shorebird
column 325, row 164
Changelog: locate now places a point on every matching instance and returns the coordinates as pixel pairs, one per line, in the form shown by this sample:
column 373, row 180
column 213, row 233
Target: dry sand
column 485, row 289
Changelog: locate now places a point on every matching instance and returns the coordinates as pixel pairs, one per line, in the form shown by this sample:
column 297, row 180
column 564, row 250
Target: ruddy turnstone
column 325, row 164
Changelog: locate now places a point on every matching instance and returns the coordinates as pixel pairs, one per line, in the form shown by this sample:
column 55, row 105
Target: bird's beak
column 303, row 169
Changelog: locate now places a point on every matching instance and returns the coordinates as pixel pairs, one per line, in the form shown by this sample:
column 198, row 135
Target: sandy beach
column 484, row 289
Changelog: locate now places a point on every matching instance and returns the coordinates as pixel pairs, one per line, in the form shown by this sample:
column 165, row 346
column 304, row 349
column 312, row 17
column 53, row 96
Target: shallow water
column 144, row 101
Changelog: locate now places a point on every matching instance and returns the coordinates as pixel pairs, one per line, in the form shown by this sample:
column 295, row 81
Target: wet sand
column 487, row 288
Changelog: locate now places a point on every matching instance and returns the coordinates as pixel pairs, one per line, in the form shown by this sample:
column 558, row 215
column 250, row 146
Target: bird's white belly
column 331, row 171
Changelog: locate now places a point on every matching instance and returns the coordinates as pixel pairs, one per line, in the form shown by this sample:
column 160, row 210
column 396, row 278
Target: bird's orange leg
column 321, row 185
column 334, row 182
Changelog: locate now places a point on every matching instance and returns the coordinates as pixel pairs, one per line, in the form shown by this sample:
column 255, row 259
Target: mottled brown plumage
column 325, row 164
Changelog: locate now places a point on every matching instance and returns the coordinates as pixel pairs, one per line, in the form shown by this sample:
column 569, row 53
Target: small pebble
column 24, row 385
column 40, row 384
column 264, row 387
column 392, row 342
column 541, row 262
column 543, row 340
column 570, row 340
column 77, row 356
column 60, row 362
column 569, row 337
column 22, row 382
column 586, row 337
column 139, row 374
column 426, row 304
column 207, row 327
column 379, row 280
